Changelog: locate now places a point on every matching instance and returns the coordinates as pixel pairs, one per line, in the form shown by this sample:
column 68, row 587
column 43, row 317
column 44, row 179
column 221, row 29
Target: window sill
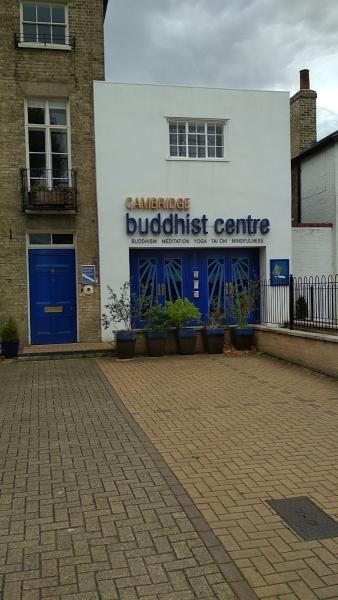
column 37, row 46
column 189, row 159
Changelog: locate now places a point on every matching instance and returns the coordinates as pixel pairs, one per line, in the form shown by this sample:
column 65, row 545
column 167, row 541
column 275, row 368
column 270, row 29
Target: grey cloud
column 229, row 43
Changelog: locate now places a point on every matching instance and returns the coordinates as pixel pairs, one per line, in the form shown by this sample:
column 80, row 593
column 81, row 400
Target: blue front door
column 52, row 285
column 209, row 278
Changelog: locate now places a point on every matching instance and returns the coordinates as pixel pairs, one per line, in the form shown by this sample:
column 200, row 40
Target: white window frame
column 47, row 46
column 48, row 128
column 186, row 120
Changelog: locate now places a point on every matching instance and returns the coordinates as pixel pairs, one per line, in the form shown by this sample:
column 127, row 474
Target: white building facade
column 194, row 195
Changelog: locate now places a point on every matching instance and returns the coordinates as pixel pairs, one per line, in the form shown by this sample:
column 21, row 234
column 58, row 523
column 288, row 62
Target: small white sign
column 196, row 274
column 196, row 284
column 196, row 294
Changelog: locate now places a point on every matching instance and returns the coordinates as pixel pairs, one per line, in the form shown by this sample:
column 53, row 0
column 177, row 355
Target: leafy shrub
column 181, row 313
column 157, row 318
column 9, row 331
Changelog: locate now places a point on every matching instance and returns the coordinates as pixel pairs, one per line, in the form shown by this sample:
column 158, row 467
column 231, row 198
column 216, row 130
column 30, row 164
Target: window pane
column 58, row 14
column 181, row 139
column 211, row 128
column 181, row 128
column 36, row 115
column 192, row 151
column 37, row 164
column 192, row 139
column 201, row 151
column 173, row 150
column 181, row 151
column 219, row 140
column 39, row 238
column 44, row 13
column 29, row 11
column 211, row 140
column 36, row 141
column 59, row 141
column 60, row 166
column 173, row 127
column 200, row 128
column 219, row 129
column 29, row 33
column 201, row 140
column 62, row 238
column 173, row 138
column 44, row 34
column 219, row 152
column 59, row 34
column 192, row 127
column 211, row 152
column 58, row 116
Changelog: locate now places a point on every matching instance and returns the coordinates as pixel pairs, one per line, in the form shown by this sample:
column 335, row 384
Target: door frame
column 72, row 246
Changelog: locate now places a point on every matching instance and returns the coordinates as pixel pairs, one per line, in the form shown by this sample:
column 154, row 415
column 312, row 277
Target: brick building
column 50, row 54
column 314, row 168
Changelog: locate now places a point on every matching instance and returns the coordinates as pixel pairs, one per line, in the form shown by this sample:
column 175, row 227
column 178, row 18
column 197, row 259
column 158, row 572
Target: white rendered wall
column 312, row 251
column 132, row 146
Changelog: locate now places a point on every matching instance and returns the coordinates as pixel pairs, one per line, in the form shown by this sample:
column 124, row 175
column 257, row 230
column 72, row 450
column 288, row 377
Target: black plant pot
column 186, row 340
column 156, row 342
column 242, row 337
column 125, row 344
column 10, row 349
column 214, row 339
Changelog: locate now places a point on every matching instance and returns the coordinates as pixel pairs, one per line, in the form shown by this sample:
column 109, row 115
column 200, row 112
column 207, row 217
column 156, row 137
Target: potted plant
column 213, row 332
column 180, row 314
column 157, row 322
column 301, row 309
column 120, row 309
column 243, row 304
column 9, row 335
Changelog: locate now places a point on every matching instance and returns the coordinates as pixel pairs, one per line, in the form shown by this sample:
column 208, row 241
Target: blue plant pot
column 186, row 340
column 214, row 339
column 125, row 344
column 10, row 349
column 156, row 342
column 242, row 337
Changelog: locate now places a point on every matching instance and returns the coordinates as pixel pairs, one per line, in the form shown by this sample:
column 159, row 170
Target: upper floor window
column 48, row 135
column 44, row 23
column 196, row 139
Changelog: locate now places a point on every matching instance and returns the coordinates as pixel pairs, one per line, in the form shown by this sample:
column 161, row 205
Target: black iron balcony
column 48, row 190
column 50, row 39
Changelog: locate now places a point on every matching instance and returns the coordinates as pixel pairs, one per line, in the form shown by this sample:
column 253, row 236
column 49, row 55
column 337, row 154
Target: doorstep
column 59, row 351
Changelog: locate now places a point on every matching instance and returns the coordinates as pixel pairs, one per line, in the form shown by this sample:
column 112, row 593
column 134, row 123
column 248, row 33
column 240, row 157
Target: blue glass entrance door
column 157, row 277
column 52, row 286
column 225, row 276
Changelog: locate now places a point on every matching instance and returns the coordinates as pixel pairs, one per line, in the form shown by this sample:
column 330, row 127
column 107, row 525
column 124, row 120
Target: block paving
column 237, row 431
column 88, row 508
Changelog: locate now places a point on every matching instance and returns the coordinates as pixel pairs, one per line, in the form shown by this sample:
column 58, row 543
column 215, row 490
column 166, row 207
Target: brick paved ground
column 88, row 509
column 237, row 431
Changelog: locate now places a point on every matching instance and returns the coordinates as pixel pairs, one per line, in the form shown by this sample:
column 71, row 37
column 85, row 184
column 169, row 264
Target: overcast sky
column 250, row 44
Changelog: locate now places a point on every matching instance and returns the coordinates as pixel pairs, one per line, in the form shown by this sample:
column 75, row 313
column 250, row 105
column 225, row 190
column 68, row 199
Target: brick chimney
column 303, row 116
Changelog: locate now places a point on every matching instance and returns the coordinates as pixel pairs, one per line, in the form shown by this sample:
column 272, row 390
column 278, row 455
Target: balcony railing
column 48, row 190
column 45, row 40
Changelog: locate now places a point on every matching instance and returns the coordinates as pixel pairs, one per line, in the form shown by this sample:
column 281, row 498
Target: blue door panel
column 52, row 284
column 161, row 274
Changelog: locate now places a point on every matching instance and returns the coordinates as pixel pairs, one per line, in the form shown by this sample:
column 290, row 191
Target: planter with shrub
column 9, row 336
column 181, row 314
column 243, row 304
column 213, row 333
column 120, row 309
column 157, row 322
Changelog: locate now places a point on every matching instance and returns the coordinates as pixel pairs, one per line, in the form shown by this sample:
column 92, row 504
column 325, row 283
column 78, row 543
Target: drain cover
column 305, row 518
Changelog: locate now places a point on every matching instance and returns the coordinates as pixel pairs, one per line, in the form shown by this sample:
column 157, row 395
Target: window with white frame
column 44, row 23
column 48, row 134
column 196, row 139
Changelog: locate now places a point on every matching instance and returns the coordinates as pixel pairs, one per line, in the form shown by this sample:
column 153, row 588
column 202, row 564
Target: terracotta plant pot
column 214, row 339
column 125, row 344
column 242, row 337
column 156, row 342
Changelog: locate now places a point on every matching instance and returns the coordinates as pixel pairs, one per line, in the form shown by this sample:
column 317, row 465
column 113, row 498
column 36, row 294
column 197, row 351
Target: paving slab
column 89, row 510
column 237, row 432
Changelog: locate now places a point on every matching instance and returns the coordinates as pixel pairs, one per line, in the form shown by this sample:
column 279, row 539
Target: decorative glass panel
column 173, row 279
column 147, row 284
column 216, row 285
column 240, row 274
